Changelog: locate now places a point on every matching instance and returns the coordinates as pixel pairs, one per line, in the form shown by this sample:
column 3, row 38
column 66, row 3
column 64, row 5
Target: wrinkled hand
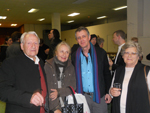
column 107, row 98
column 115, row 92
column 57, row 111
column 54, row 94
column 37, row 99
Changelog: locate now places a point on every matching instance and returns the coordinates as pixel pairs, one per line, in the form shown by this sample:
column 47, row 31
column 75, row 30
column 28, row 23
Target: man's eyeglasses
column 132, row 53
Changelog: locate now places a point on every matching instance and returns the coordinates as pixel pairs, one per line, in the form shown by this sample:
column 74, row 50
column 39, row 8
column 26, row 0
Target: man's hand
column 54, row 94
column 37, row 99
column 107, row 98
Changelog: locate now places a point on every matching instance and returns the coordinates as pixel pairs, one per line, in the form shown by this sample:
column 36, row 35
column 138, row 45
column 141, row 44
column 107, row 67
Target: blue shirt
column 87, row 73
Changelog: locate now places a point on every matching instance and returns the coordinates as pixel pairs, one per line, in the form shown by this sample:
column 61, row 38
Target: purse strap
column 72, row 92
column 146, row 83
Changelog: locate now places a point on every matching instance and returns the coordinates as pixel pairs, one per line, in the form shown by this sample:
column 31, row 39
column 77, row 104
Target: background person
column 132, row 97
column 22, row 79
column 60, row 74
column 119, row 37
column 94, row 40
column 8, row 42
column 54, row 38
column 100, row 42
column 14, row 49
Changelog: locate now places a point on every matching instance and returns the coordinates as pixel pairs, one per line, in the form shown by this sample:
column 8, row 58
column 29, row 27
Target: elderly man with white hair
column 22, row 79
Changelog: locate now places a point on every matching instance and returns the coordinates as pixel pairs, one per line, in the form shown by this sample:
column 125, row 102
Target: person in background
column 100, row 42
column 43, row 50
column 54, row 38
column 135, row 39
column 14, row 49
column 132, row 97
column 22, row 79
column 119, row 37
column 8, row 42
column 94, row 40
column 93, row 81
column 60, row 74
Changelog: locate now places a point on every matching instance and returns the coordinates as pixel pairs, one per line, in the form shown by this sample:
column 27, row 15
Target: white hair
column 26, row 33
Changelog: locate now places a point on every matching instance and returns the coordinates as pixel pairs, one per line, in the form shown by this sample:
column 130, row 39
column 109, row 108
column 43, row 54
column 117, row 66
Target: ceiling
column 89, row 10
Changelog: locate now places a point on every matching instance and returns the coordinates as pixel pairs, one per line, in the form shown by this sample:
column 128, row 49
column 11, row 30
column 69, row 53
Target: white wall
column 104, row 31
column 38, row 28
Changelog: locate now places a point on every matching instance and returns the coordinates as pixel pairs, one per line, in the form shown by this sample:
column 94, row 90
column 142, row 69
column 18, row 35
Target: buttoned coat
column 52, row 82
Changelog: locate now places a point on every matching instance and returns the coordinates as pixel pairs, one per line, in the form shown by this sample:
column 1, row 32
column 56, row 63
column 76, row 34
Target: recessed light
column 101, row 17
column 41, row 19
column 8, row 9
column 33, row 10
column 70, row 21
column 73, row 14
column 13, row 24
column 119, row 8
column 3, row 17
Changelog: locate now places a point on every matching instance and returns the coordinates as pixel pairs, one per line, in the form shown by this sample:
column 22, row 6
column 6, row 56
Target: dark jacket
column 137, row 94
column 119, row 62
column 52, row 47
column 13, row 50
column 103, row 70
column 68, row 80
column 19, row 79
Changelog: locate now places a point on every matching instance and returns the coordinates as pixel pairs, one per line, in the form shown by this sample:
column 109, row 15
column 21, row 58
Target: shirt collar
column 36, row 59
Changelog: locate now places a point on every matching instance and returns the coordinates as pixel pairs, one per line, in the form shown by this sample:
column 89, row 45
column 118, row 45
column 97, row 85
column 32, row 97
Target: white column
column 138, row 18
column 56, row 22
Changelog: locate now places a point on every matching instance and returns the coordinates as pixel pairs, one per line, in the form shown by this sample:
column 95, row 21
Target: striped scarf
column 96, row 94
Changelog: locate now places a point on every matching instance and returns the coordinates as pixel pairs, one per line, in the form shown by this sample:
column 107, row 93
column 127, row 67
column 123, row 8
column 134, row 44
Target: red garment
column 43, row 87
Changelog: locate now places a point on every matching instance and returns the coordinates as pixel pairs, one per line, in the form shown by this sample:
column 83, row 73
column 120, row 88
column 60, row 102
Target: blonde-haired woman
column 60, row 74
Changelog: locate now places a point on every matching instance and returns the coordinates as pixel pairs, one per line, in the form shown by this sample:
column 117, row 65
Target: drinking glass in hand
column 117, row 85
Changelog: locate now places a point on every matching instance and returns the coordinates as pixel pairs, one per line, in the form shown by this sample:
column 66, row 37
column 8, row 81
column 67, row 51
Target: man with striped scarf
column 92, row 72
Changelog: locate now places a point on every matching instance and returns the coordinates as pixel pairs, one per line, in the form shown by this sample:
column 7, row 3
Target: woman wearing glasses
column 132, row 96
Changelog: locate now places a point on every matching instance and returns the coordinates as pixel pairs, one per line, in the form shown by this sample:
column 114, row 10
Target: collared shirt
column 87, row 73
column 36, row 59
column 119, row 49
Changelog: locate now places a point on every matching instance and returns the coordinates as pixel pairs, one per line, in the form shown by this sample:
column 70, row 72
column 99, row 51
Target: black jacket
column 19, row 79
column 103, row 70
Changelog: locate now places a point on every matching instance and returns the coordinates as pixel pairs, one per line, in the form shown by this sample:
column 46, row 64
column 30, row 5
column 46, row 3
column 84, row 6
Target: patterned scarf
column 96, row 94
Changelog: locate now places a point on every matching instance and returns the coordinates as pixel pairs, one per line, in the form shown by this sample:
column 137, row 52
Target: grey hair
column 130, row 44
column 60, row 44
column 26, row 33
column 80, row 29
column 100, row 40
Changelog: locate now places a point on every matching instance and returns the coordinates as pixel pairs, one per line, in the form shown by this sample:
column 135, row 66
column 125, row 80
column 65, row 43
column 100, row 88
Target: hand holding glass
column 117, row 85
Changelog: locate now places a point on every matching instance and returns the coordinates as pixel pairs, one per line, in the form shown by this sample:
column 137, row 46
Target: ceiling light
column 33, row 10
column 70, row 21
column 3, row 17
column 119, row 8
column 41, row 19
column 101, row 17
column 13, row 24
column 73, row 14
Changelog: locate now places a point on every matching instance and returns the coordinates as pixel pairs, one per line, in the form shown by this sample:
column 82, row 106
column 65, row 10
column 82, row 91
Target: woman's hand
column 57, row 111
column 54, row 94
column 115, row 92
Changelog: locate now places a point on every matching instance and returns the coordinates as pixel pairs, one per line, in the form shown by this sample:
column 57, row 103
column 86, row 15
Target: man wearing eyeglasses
column 119, row 39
